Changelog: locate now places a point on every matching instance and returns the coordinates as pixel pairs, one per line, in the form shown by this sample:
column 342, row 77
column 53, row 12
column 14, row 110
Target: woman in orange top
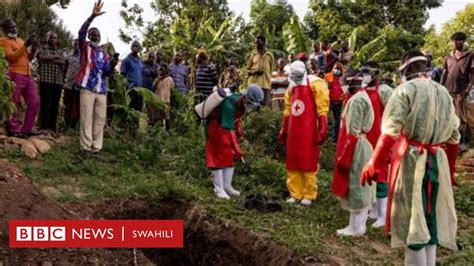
column 336, row 97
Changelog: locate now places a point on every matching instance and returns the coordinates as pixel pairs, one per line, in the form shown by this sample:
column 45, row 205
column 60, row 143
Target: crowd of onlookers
column 80, row 78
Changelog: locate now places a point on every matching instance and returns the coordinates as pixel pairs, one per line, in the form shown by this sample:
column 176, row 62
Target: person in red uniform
column 303, row 129
column 223, row 128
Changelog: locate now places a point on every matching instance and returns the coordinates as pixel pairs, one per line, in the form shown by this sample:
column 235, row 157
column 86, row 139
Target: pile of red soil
column 21, row 200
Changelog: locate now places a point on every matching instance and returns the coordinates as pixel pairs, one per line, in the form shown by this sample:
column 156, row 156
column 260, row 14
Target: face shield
column 349, row 84
column 402, row 68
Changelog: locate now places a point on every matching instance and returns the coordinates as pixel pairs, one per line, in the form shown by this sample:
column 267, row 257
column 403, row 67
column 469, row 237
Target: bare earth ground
column 207, row 241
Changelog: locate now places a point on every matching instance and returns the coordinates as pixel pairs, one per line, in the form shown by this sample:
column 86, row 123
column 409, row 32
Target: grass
column 162, row 163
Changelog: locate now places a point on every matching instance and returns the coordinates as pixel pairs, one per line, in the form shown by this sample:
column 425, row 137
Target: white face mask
column 345, row 89
column 367, row 79
column 95, row 44
column 12, row 35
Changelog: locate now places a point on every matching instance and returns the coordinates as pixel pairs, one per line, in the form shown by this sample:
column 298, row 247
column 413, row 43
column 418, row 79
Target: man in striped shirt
column 96, row 64
column 206, row 77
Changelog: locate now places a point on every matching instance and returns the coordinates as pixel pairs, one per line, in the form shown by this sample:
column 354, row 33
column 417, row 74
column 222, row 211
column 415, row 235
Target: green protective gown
column 385, row 92
column 359, row 117
column 423, row 111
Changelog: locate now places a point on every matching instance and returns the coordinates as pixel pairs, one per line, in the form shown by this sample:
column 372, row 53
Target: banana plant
column 125, row 118
column 294, row 37
column 7, row 108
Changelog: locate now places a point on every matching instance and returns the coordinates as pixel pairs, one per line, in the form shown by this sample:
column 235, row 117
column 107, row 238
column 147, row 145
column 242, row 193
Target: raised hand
column 97, row 10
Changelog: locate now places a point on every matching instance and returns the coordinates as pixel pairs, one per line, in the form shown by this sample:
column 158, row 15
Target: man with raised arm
column 96, row 64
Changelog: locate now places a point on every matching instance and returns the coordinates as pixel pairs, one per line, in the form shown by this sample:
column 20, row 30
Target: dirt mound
column 20, row 199
column 207, row 242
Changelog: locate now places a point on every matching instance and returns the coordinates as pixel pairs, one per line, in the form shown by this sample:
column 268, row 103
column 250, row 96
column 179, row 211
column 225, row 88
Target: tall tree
column 186, row 26
column 269, row 19
column 384, row 29
column 440, row 44
column 334, row 19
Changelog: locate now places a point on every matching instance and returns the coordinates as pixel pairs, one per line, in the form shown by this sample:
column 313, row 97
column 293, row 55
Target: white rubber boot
column 346, row 230
column 219, row 184
column 356, row 225
column 415, row 257
column 361, row 222
column 291, row 200
column 374, row 212
column 228, row 175
column 382, row 211
column 306, row 202
column 430, row 255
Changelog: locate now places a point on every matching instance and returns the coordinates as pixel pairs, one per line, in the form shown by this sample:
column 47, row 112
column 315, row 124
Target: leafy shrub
column 261, row 130
column 6, row 91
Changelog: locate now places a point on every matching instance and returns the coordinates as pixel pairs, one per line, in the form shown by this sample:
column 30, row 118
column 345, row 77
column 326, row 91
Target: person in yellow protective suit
column 304, row 128
column 420, row 130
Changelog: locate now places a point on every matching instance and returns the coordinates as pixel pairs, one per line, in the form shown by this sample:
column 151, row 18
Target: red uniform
column 223, row 126
column 302, row 153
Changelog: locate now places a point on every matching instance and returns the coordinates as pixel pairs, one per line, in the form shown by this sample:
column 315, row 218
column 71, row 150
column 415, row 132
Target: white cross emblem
column 297, row 108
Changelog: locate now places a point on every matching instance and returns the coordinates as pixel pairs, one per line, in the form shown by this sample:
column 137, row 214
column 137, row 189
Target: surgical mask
column 12, row 35
column 366, row 80
column 336, row 72
column 95, row 44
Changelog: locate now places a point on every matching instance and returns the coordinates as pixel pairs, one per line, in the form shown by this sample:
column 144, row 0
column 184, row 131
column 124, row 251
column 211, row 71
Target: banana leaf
column 151, row 98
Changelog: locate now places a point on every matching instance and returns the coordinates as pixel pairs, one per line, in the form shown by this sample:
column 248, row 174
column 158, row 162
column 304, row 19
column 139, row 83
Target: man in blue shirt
column 132, row 67
column 179, row 72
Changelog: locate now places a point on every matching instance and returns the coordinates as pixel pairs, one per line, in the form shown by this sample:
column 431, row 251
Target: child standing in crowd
column 231, row 75
column 163, row 88
column 336, row 96
column 303, row 129
column 353, row 151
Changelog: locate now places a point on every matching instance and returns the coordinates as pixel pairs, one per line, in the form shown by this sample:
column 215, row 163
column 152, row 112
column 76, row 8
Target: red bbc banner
column 96, row 233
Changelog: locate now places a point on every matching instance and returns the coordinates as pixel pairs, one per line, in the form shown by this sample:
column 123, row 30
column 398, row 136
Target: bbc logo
column 41, row 233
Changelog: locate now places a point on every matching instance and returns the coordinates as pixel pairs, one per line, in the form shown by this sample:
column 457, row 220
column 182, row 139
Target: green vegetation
column 6, row 91
column 172, row 164
column 440, row 44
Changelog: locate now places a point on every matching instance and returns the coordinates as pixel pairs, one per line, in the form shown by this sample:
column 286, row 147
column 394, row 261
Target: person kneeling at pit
column 223, row 128
column 303, row 129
